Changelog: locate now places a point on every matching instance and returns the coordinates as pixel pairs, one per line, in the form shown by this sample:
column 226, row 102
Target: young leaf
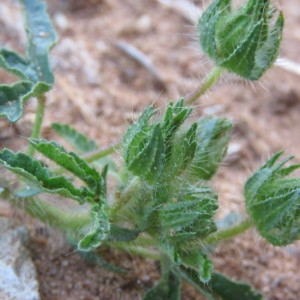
column 70, row 161
column 99, row 229
column 199, row 262
column 41, row 176
column 212, row 139
column 76, row 139
column 273, row 201
column 34, row 69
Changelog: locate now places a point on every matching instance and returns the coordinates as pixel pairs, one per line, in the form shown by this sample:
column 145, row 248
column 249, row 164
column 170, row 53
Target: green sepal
column 273, row 201
column 34, row 70
column 220, row 287
column 135, row 134
column 212, row 137
column 149, row 161
column 71, row 162
column 244, row 41
column 99, row 228
column 41, row 176
column 81, row 143
column 188, row 217
column 184, row 148
column 174, row 117
column 207, row 26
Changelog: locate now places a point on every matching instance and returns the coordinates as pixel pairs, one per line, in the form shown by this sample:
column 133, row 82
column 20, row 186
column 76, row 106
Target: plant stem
column 125, row 196
column 229, row 233
column 69, row 223
column 208, row 81
column 90, row 157
column 136, row 249
column 38, row 121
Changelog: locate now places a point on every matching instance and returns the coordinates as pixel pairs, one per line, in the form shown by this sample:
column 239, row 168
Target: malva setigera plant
column 161, row 205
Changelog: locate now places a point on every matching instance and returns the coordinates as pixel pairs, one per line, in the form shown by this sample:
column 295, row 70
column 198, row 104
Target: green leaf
column 233, row 290
column 245, row 41
column 39, row 175
column 34, row 69
column 77, row 140
column 12, row 98
column 220, row 287
column 273, row 201
column 199, row 262
column 41, row 38
column 192, row 277
column 14, row 63
column 99, row 229
column 71, row 162
column 212, row 139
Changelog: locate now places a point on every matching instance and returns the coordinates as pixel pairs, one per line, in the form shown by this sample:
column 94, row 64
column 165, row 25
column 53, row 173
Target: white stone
column 17, row 271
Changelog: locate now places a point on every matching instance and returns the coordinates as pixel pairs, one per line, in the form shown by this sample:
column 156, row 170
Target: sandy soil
column 99, row 89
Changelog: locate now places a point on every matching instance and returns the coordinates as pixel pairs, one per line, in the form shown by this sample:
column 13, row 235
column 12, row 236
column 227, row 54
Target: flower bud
column 245, row 41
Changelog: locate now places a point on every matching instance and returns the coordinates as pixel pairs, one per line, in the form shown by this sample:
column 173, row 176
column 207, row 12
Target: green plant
column 161, row 205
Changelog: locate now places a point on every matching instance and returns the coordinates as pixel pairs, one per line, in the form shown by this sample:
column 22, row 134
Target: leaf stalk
column 225, row 234
column 207, row 83
column 37, row 126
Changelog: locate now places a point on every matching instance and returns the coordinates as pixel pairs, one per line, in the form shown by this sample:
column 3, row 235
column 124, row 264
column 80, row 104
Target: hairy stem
column 98, row 154
column 124, row 197
column 39, row 116
column 207, row 83
column 68, row 223
column 229, row 232
column 136, row 249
